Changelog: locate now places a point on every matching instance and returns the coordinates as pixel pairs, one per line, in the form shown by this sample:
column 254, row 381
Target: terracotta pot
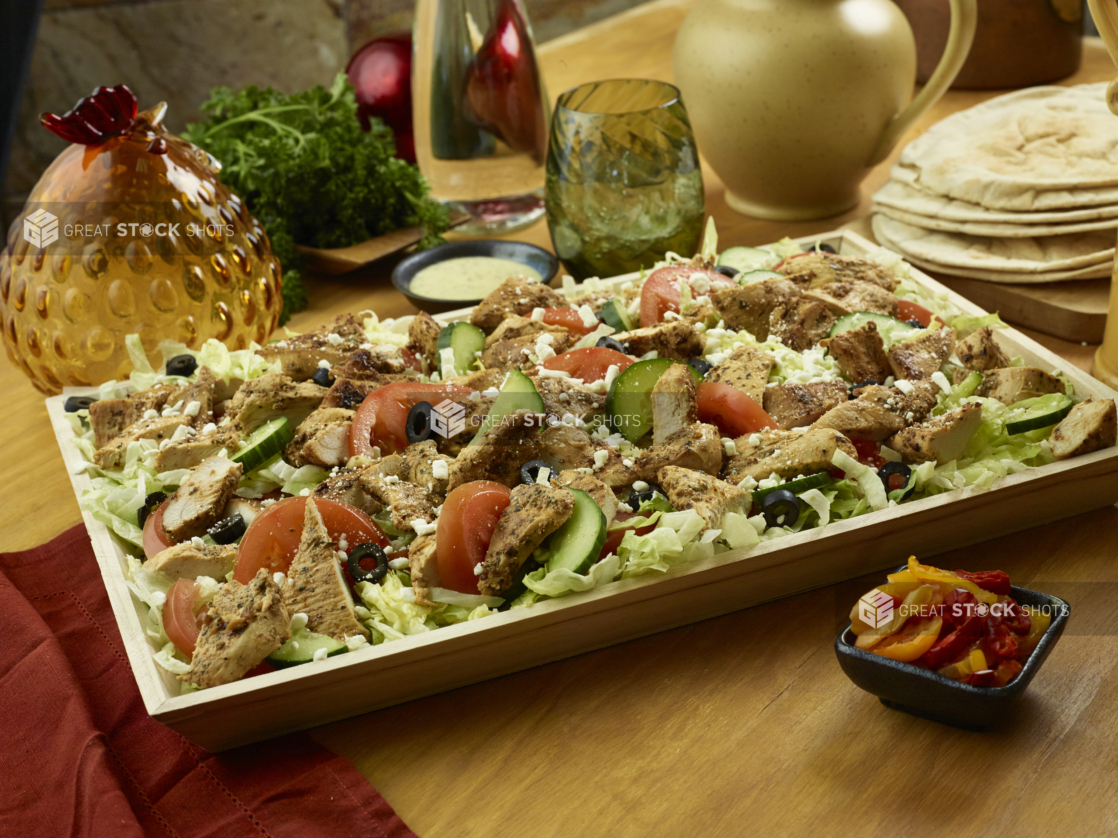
column 1018, row 43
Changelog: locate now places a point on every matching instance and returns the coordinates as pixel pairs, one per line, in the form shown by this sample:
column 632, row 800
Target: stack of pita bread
column 1021, row 188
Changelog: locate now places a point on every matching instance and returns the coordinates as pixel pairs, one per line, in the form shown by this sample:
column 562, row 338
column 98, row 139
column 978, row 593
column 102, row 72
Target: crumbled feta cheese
column 491, row 393
column 585, row 471
column 728, row 447
column 281, row 344
column 611, row 374
column 700, row 283
column 334, row 339
column 446, row 363
column 209, row 428
column 640, row 486
column 181, row 432
column 298, row 622
column 398, row 564
column 754, row 439
column 890, row 381
column 904, row 386
column 624, row 507
column 324, row 364
column 537, row 314
column 543, row 347
column 365, row 346
column 421, row 527
column 651, row 354
column 320, row 654
column 158, row 598
column 355, row 641
column 749, row 484
column 940, row 380
column 150, row 414
column 601, row 457
column 910, row 417
column 197, row 542
column 543, row 477
column 342, row 555
column 391, row 478
column 193, row 409
column 440, row 470
column 589, row 320
column 280, row 578
column 546, row 373
column 475, row 396
column 305, row 493
column 477, row 569
column 627, row 463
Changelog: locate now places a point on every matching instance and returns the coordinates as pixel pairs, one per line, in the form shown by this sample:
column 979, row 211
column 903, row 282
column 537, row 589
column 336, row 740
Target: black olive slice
column 895, row 476
column 228, row 530
column 781, row 508
column 322, row 377
column 637, row 498
column 76, row 403
column 826, row 248
column 531, row 470
column 419, row 426
column 610, row 343
column 726, row 270
column 363, row 553
column 151, row 503
column 699, row 365
column 183, row 365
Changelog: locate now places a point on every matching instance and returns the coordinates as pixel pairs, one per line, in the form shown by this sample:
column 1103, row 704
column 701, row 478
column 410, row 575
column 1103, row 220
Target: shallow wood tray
column 380, row 676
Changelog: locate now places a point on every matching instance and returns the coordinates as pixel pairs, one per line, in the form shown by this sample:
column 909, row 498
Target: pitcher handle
column 964, row 17
column 1106, row 19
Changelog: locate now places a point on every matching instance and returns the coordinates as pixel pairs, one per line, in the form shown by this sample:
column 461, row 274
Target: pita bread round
column 996, row 229
column 1008, row 151
column 1019, row 257
column 899, row 195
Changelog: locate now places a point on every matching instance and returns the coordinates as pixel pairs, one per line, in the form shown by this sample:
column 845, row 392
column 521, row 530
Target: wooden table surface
column 742, row 723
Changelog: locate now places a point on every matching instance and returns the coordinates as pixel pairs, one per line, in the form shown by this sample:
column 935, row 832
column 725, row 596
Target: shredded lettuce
column 873, row 490
column 560, row 582
column 390, row 612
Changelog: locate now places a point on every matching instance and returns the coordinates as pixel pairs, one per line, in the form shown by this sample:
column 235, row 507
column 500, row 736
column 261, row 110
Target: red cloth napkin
column 79, row 755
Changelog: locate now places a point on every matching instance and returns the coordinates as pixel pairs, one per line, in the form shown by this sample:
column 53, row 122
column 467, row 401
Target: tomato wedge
column 869, row 454
column 273, row 537
column 908, row 310
column 465, row 528
column 614, row 537
column 155, row 540
column 383, row 415
column 179, row 620
column 588, row 364
column 569, row 319
column 660, row 292
column 731, row 410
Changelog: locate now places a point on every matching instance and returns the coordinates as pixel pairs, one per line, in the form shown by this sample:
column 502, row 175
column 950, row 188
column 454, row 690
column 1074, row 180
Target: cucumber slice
column 967, row 386
column 629, row 401
column 264, row 443
column 746, row 259
column 616, row 315
column 517, row 393
column 576, row 545
column 890, row 328
column 749, row 277
column 796, row 487
column 466, row 340
column 1035, row 418
column 301, row 648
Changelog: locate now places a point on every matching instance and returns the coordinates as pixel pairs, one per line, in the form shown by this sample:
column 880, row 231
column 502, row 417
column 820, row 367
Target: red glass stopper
column 107, row 112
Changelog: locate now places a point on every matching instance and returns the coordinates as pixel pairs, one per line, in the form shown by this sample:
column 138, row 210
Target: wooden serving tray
column 380, row 676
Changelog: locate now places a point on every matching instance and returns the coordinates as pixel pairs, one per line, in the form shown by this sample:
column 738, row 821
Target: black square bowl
column 930, row 695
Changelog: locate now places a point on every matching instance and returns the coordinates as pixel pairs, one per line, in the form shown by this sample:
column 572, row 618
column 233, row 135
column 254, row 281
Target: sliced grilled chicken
column 316, row 585
column 517, row 353
column 423, row 339
column 159, row 428
column 746, row 369
column 422, row 466
column 601, row 493
column 1091, row 426
column 787, row 454
column 322, row 439
column 942, row 438
column 534, row 512
column 879, row 412
column 344, row 485
column 189, row 452
column 820, row 269
column 710, row 497
column 407, row 501
column 561, row 396
column 500, row 452
column 516, row 295
column 381, row 363
column 697, row 447
column 801, row 325
column 479, row 379
column 674, row 403
column 271, row 396
column 185, row 561
column 850, row 296
column 915, row 360
column 981, row 352
column 520, row 327
column 198, row 502
column 1014, row 384
column 750, row 307
column 423, row 565
column 198, row 398
column 241, row 626
column 860, row 354
column 300, row 356
column 793, row 405
column 111, row 417
column 674, row 339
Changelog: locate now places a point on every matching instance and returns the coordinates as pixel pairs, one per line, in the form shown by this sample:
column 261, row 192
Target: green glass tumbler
column 623, row 180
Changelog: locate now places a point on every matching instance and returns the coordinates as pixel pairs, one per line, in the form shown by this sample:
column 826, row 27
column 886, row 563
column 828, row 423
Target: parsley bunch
column 311, row 175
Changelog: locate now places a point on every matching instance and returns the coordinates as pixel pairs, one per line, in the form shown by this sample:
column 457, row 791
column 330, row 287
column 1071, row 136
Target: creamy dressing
column 467, row 277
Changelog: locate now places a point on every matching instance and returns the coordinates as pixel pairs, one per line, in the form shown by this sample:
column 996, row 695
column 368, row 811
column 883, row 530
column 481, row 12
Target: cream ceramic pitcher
column 793, row 101
column 1106, row 358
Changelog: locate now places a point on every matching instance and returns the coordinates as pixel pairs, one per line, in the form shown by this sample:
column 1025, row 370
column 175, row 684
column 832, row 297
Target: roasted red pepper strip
column 998, row 643
column 994, row 581
column 985, row 678
column 1016, row 619
column 953, row 646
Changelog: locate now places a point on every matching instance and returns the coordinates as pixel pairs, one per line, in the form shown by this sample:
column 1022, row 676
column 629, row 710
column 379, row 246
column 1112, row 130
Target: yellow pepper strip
column 925, row 573
column 872, row 636
column 911, row 642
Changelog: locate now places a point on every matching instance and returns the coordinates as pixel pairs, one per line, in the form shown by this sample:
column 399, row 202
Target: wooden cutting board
column 1073, row 311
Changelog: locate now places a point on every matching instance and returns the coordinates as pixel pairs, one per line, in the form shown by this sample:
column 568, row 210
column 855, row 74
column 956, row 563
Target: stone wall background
column 176, row 50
